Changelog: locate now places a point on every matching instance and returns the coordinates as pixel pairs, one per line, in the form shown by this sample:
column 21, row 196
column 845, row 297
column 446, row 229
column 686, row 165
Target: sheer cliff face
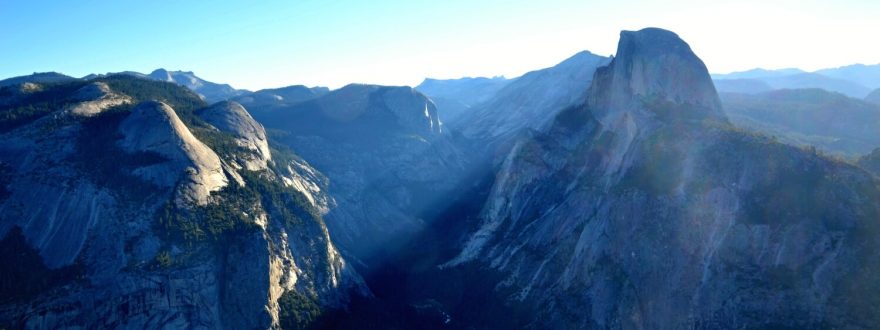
column 140, row 217
column 644, row 209
column 655, row 67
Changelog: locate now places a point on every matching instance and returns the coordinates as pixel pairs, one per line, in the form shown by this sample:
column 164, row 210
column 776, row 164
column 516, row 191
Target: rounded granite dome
column 655, row 66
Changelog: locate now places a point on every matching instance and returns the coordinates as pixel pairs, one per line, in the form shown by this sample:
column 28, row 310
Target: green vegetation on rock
column 234, row 209
column 297, row 311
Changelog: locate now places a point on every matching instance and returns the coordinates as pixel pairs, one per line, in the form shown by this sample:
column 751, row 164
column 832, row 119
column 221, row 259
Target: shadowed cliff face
column 387, row 156
column 643, row 208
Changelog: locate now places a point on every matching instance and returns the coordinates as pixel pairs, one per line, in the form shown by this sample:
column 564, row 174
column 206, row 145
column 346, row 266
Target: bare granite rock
column 94, row 98
column 154, row 127
column 231, row 117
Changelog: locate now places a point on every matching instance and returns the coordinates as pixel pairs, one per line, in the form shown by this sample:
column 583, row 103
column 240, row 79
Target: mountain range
column 603, row 192
column 856, row 80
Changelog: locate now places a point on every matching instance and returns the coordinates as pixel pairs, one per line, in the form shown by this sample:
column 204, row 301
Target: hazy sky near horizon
column 262, row 44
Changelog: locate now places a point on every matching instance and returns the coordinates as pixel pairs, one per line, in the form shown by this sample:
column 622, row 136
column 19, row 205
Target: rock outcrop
column 154, row 127
column 94, row 98
column 232, row 118
column 643, row 209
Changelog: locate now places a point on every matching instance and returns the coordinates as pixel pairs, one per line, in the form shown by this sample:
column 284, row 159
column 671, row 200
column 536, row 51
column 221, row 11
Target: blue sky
column 260, row 44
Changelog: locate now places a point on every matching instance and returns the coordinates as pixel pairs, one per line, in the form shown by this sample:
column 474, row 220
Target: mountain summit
column 655, row 66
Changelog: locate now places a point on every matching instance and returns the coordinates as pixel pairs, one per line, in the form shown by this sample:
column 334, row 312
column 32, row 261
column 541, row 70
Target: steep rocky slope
column 386, row 153
column 644, row 208
column 831, row 122
column 135, row 216
column 530, row 101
